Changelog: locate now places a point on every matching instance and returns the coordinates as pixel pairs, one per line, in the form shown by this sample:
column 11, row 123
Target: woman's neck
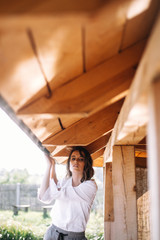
column 76, row 179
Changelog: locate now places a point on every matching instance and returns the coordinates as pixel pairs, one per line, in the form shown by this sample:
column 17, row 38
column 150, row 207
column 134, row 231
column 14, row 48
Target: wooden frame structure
column 88, row 73
column 139, row 111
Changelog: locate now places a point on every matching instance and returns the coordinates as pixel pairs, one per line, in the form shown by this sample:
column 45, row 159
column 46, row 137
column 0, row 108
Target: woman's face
column 77, row 162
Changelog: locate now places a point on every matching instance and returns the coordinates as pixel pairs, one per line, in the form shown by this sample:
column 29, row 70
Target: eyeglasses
column 80, row 159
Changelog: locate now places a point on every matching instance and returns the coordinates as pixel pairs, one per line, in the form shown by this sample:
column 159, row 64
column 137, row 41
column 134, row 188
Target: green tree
column 14, row 176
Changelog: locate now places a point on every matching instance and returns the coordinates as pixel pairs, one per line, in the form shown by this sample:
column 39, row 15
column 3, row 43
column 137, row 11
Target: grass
column 34, row 222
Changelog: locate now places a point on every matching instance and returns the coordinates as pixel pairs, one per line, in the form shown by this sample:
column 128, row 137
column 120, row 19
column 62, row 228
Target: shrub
column 16, row 232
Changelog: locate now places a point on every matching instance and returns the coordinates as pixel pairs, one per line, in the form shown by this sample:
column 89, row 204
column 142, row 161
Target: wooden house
column 88, row 73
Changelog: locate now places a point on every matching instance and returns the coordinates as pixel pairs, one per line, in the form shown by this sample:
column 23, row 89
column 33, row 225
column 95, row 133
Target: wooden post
column 108, row 200
column 124, row 195
column 108, row 203
column 154, row 156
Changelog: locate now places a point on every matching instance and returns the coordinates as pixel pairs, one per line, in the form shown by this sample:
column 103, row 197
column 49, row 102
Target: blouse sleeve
column 51, row 193
column 85, row 192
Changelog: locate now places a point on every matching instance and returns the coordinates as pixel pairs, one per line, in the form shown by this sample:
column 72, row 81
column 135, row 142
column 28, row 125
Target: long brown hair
column 88, row 171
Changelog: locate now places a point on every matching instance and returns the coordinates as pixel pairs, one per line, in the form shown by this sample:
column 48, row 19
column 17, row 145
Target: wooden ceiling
column 66, row 68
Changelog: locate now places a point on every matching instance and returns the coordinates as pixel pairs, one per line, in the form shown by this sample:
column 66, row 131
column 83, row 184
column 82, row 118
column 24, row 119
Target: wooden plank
column 51, row 49
column 141, row 154
column 142, row 14
column 89, row 129
column 49, row 7
column 154, row 155
column 98, row 143
column 108, row 195
column 123, row 175
column 97, row 154
column 64, row 152
column 19, row 69
column 130, row 127
column 57, row 43
column 103, row 34
column 98, row 162
column 106, row 85
column 50, row 148
column 44, row 125
column 92, row 148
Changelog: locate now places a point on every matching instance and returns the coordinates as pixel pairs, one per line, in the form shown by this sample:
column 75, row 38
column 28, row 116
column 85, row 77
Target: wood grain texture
column 44, row 125
column 97, row 154
column 123, row 174
column 93, row 90
column 49, row 7
column 103, row 33
column 87, row 130
column 20, row 73
column 98, row 162
column 92, row 147
column 58, row 45
column 139, row 25
column 108, row 196
column 130, row 127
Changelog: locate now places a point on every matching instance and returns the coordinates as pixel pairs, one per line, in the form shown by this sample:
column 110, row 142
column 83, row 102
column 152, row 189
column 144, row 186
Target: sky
column 18, row 151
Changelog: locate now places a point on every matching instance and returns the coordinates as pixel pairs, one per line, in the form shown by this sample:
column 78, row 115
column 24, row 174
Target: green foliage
column 32, row 226
column 14, row 176
column 16, row 232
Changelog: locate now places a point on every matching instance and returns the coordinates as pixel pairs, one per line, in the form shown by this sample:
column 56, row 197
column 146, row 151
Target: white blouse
column 72, row 206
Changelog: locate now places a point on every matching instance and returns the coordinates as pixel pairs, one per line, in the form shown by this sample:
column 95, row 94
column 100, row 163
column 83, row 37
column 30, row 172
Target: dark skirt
column 55, row 233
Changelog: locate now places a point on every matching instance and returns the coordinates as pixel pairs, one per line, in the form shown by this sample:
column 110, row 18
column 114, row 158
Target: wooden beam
column 130, row 127
column 154, row 153
column 98, row 143
column 39, row 55
column 16, row 72
column 141, row 151
column 97, row 154
column 142, row 14
column 43, row 125
column 106, row 27
column 107, row 87
column 48, row 7
column 98, row 162
column 108, row 194
column 92, row 147
column 141, row 154
column 125, row 212
column 119, row 31
column 87, row 130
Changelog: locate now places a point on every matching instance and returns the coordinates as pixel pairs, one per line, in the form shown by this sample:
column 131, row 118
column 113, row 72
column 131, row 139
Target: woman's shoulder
column 91, row 183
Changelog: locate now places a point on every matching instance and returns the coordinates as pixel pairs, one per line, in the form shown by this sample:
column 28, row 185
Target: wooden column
column 108, row 200
column 154, row 156
column 124, row 225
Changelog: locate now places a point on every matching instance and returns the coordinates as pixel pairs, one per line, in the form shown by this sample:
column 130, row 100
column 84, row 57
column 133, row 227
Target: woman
column 74, row 196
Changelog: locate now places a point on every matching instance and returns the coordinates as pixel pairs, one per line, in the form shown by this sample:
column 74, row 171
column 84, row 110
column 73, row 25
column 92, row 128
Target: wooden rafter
column 106, row 86
column 49, row 7
column 97, row 154
column 92, row 147
column 87, row 130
